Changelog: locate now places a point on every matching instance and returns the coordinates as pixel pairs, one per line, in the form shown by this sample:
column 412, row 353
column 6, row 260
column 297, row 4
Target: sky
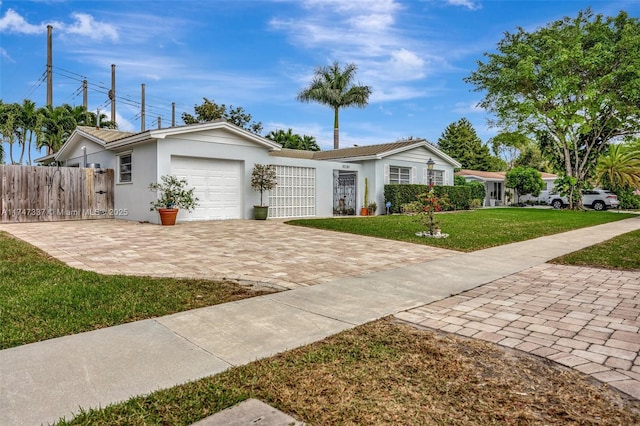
column 259, row 54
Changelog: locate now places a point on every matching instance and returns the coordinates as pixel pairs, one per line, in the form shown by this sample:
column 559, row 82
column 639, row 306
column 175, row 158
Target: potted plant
column 172, row 196
column 263, row 178
column 364, row 211
column 371, row 208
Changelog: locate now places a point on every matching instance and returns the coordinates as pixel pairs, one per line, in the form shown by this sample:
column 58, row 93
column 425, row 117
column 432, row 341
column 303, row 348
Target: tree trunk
column 336, row 132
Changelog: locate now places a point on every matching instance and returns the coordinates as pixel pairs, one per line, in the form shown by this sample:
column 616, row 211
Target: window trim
column 399, row 175
column 119, row 164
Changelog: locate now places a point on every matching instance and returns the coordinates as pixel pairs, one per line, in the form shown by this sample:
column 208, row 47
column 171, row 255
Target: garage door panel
column 216, row 183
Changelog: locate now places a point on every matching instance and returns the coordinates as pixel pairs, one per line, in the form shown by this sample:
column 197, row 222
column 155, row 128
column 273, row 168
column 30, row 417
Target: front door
column 344, row 192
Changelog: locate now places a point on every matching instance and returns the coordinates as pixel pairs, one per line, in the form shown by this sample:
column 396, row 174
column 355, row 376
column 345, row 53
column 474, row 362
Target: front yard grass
column 621, row 252
column 385, row 372
column 472, row 229
column 42, row 298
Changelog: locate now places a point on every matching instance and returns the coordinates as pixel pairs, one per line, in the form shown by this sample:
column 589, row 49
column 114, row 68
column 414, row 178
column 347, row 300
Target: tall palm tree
column 29, row 120
column 335, row 88
column 620, row 167
column 9, row 114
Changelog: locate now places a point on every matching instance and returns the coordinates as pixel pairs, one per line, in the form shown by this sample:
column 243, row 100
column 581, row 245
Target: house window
column 399, row 174
column 437, row 176
column 124, row 168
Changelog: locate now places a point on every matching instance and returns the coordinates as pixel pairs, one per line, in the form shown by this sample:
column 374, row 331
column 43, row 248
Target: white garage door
column 217, row 183
column 295, row 193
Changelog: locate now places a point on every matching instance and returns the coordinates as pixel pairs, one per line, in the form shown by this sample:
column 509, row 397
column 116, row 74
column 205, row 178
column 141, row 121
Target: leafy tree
column 460, row 141
column 210, row 111
column 334, row 87
column 509, row 146
column 524, row 180
column 292, row 140
column 573, row 84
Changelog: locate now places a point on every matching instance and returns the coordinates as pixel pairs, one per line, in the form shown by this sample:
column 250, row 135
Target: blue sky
column 259, row 54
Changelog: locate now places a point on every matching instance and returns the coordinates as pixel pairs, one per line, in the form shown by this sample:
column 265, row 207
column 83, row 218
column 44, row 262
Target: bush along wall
column 457, row 197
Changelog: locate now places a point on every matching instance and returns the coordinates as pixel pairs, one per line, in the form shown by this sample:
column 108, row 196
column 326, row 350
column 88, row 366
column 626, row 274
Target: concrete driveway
column 252, row 252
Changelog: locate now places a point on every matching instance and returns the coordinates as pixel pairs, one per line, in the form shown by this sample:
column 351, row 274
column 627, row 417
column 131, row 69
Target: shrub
column 451, row 197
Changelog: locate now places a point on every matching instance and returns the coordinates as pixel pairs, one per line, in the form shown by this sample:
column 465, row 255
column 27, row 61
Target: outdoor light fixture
column 430, row 164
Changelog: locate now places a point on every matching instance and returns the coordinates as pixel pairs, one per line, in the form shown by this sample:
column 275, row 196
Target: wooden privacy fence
column 46, row 194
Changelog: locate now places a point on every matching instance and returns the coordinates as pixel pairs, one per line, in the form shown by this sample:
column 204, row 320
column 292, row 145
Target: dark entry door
column 344, row 192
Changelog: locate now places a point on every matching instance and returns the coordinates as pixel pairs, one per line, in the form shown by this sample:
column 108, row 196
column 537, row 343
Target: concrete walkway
column 42, row 381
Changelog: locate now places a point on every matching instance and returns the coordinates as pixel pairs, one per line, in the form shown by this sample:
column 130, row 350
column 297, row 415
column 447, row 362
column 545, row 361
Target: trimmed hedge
column 459, row 197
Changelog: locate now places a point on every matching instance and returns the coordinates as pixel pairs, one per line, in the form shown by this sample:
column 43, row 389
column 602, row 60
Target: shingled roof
column 366, row 151
column 106, row 135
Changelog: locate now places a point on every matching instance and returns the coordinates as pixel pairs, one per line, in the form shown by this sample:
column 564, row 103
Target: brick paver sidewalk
column 584, row 318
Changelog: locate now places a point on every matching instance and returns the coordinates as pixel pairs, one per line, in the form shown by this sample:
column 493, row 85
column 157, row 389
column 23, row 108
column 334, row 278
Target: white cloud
column 469, row 4
column 468, row 108
column 5, row 55
column 83, row 25
column 389, row 56
column 12, row 22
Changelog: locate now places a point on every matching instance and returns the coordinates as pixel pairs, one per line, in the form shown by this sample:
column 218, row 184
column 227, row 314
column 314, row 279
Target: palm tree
column 29, row 121
column 620, row 167
column 334, row 87
column 58, row 124
column 9, row 114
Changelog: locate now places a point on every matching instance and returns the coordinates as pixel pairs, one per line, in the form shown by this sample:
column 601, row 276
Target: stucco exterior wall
column 132, row 200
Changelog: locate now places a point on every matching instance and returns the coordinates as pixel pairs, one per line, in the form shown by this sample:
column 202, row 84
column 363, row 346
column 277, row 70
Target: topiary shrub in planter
column 263, row 178
column 172, row 196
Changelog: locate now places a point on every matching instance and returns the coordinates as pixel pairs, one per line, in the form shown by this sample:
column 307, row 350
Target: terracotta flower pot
column 364, row 211
column 168, row 216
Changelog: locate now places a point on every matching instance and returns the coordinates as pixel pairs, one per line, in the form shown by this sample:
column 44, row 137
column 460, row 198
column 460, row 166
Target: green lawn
column 470, row 230
column 388, row 373
column 621, row 252
column 41, row 298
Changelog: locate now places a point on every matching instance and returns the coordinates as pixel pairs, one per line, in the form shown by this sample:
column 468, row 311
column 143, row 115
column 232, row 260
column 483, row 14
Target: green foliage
column 573, row 85
column 210, row 111
column 335, row 88
column 452, row 197
column 412, row 207
column 477, row 189
column 628, row 199
column 263, row 178
column 460, row 141
column 173, row 194
column 619, row 168
column 524, row 180
column 290, row 140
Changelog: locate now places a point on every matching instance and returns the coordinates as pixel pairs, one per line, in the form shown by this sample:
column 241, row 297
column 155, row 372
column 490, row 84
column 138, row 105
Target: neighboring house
column 217, row 159
column 496, row 192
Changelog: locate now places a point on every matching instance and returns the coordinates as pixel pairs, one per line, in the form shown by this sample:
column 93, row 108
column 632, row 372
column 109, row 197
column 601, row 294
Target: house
column 217, row 158
column 496, row 192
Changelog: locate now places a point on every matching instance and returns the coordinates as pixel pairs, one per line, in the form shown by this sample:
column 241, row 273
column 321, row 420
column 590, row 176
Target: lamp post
column 430, row 164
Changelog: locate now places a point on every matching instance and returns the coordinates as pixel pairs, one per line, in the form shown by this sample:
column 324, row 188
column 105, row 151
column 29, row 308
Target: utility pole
column 173, row 114
column 112, row 93
column 85, row 102
column 50, row 65
column 142, row 111
column 159, row 122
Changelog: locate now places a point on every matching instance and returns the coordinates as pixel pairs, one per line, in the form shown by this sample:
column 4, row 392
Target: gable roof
column 109, row 138
column 367, row 152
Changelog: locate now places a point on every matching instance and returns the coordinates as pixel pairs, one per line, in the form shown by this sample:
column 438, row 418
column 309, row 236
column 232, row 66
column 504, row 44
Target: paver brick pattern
column 259, row 252
column 584, row 318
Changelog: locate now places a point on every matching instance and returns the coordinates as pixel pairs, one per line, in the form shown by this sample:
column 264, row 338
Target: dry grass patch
column 388, row 372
